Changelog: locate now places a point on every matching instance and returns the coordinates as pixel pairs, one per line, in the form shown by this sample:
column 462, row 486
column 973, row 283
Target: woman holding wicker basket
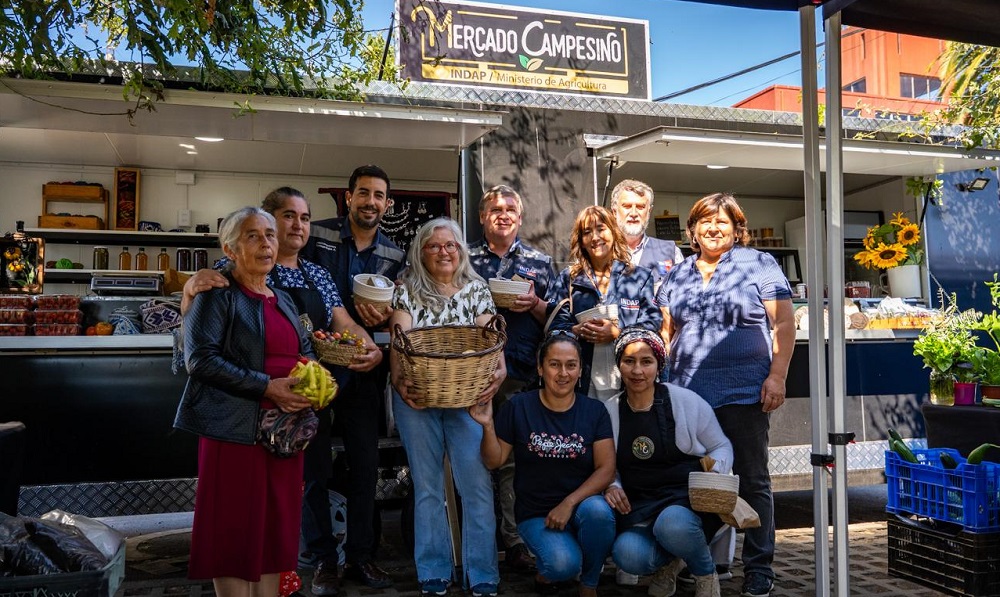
column 662, row 434
column 440, row 288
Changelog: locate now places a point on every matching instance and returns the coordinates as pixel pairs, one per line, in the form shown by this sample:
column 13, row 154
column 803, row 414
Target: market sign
column 490, row 45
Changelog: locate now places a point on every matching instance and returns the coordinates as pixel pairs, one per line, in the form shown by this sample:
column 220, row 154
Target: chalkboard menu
column 668, row 227
column 409, row 210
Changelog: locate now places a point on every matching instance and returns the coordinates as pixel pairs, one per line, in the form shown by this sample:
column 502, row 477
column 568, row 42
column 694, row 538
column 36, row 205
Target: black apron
column 315, row 316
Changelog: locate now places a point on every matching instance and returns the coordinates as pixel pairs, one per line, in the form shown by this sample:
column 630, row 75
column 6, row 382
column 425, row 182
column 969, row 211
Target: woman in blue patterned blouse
column 729, row 323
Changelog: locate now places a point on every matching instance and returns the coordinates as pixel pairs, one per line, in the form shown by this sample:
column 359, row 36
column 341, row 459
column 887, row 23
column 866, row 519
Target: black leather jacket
column 224, row 354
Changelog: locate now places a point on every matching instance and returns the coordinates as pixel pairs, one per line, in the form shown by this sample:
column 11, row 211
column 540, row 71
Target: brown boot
column 664, row 582
column 707, row 586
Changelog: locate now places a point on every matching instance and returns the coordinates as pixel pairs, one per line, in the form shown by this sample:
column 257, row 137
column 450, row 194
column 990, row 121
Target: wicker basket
column 433, row 360
column 712, row 492
column 367, row 293
column 598, row 312
column 336, row 353
column 505, row 292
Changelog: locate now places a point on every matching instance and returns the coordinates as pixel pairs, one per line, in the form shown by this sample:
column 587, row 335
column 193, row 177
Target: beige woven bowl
column 712, row 492
column 598, row 312
column 505, row 292
column 374, row 290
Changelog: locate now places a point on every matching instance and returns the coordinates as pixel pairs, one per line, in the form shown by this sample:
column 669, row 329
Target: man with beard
column 501, row 254
column 348, row 246
column 632, row 203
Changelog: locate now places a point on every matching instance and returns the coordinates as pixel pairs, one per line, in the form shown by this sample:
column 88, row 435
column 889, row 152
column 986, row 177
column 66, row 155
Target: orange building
column 883, row 73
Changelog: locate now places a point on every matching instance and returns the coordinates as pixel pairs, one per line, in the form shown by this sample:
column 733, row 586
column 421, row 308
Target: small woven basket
column 505, row 292
column 450, row 365
column 336, row 353
column 365, row 292
column 712, row 492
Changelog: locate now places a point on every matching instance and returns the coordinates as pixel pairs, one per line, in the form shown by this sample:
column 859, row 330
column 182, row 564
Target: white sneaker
column 707, row 586
column 624, row 578
column 664, row 582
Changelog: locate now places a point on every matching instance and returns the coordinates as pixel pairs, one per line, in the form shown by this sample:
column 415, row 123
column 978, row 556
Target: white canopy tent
column 972, row 21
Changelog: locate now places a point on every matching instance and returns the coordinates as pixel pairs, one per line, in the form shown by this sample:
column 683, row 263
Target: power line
column 744, row 71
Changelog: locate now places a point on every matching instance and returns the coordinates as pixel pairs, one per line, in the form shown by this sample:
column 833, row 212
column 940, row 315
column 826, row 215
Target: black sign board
column 490, row 45
column 668, row 227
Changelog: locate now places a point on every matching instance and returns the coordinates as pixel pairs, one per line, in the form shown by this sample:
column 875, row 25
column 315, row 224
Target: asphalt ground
column 157, row 558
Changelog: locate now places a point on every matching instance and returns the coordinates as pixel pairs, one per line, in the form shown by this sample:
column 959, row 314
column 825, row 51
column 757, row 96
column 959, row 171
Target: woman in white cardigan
column 661, row 432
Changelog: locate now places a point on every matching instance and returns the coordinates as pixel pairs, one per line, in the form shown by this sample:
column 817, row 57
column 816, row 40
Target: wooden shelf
column 207, row 240
column 83, row 276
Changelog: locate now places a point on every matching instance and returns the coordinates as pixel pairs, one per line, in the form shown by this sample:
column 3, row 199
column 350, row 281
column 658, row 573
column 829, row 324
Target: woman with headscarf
column 661, row 431
column 602, row 274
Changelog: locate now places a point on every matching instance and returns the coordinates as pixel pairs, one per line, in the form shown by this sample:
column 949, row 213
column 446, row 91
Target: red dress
column 248, row 505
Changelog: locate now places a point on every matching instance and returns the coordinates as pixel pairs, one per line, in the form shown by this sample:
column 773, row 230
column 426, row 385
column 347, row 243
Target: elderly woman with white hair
column 240, row 343
column 661, row 433
column 441, row 288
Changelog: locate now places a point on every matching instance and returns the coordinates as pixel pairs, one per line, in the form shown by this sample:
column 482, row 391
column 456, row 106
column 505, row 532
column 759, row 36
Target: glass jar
column 942, row 388
column 200, row 259
column 183, row 260
column 100, row 258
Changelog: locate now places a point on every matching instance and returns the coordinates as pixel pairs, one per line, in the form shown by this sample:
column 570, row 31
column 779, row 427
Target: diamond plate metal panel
column 110, row 499
column 794, row 460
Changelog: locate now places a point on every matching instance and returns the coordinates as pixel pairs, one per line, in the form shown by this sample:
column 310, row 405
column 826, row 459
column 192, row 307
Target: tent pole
column 835, row 272
column 814, row 282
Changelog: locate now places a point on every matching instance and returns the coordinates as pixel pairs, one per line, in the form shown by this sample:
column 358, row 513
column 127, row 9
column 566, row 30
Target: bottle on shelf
column 124, row 259
column 200, row 258
column 163, row 260
column 141, row 260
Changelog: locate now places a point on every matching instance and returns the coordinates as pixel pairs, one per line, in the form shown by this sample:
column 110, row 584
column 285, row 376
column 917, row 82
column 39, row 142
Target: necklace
column 645, row 409
column 604, row 277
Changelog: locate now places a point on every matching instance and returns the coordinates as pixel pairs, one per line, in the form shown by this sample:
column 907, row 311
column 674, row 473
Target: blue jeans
column 677, row 532
column 747, row 427
column 579, row 549
column 427, row 434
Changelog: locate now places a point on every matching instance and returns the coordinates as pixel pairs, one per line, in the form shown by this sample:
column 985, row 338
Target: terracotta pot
column 965, row 393
column 990, row 391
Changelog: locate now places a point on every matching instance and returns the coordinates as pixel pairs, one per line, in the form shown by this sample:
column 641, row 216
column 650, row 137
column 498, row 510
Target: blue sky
column 690, row 43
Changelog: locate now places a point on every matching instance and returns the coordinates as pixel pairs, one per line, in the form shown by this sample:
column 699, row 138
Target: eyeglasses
column 449, row 247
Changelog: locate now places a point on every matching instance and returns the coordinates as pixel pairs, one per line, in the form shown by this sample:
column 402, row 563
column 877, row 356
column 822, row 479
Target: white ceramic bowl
column 598, row 312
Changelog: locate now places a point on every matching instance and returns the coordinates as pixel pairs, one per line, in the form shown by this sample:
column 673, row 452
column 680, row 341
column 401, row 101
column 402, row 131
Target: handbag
column 286, row 434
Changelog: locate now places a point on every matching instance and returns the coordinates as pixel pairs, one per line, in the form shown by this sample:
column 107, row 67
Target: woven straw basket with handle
column 450, row 365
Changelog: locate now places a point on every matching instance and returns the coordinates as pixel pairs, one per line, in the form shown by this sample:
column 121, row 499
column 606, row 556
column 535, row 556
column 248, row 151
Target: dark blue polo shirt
column 524, row 332
column 331, row 245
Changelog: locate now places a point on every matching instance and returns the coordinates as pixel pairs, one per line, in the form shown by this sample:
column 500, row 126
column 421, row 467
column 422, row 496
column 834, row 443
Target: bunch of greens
column 947, row 345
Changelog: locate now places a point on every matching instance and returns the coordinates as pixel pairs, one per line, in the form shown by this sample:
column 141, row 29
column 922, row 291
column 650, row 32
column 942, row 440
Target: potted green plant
column 987, row 365
column 943, row 345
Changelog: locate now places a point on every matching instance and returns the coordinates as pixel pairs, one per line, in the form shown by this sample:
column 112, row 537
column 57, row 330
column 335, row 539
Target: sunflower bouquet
column 20, row 271
column 892, row 244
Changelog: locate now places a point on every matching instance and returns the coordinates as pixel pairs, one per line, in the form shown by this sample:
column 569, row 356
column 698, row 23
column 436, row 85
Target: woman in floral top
column 441, row 288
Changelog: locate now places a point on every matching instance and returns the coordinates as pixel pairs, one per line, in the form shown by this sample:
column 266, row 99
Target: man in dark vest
column 632, row 203
column 348, row 246
column 501, row 254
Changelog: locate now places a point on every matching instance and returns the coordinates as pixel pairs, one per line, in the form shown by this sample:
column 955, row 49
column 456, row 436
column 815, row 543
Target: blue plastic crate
column 968, row 495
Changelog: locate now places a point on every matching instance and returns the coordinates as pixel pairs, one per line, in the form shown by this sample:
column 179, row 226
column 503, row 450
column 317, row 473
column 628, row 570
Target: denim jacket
column 631, row 291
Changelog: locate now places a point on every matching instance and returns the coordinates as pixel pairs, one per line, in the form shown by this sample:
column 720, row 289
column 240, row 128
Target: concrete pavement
column 157, row 561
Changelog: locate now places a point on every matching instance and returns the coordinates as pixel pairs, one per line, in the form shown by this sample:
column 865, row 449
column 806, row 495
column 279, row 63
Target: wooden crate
column 77, row 222
column 69, row 192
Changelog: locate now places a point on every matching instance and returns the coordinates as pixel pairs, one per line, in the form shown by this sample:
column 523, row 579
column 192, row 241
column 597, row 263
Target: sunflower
column 898, row 219
column 12, row 253
column 864, row 258
column 885, row 256
column 908, row 234
column 871, row 240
